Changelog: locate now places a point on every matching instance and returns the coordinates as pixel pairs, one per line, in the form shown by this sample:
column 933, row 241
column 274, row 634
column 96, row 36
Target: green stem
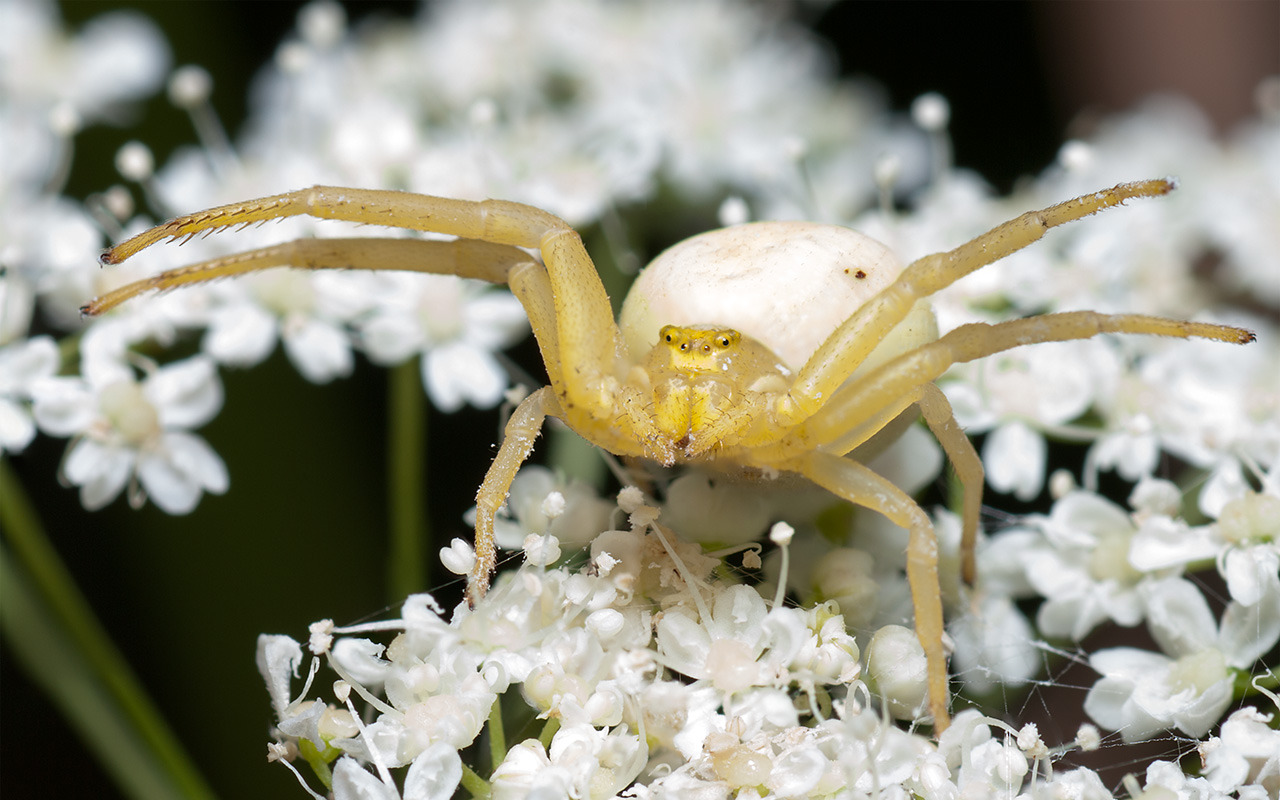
column 473, row 783
column 497, row 735
column 52, row 630
column 406, row 482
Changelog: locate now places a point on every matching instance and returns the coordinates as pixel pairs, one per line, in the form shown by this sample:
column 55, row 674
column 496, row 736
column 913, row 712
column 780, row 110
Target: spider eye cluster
column 701, row 340
column 695, row 349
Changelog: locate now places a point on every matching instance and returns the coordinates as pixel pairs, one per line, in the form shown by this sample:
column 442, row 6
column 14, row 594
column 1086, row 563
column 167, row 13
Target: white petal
column 994, row 645
column 1081, row 517
column 169, row 489
column 24, row 362
column 187, row 394
column 1163, row 542
column 796, row 772
column 242, row 334
column 1105, row 702
column 1014, row 456
column 100, row 471
column 120, row 55
column 1248, row 571
column 63, row 406
column 912, row 462
column 353, row 782
column 1073, row 617
column 278, row 659
column 434, row 774
column 683, row 644
column 1249, row 632
column 970, row 406
column 17, row 428
column 1128, row 663
column 176, row 476
column 362, row 660
column 390, row 338
column 1225, row 483
column 1179, row 617
column 457, row 373
column 194, row 457
column 320, row 350
column 739, row 612
column 495, row 320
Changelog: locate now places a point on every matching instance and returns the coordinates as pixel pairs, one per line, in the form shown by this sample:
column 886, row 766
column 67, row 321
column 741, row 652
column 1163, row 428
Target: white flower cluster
column 651, row 677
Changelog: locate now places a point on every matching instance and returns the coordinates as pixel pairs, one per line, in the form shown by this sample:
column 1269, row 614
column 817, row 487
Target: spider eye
column 724, row 341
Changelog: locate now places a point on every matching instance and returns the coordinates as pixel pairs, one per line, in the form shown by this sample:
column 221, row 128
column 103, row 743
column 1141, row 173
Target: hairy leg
column 586, row 334
column 968, row 466
column 850, row 344
column 517, row 442
column 857, row 484
column 465, row 258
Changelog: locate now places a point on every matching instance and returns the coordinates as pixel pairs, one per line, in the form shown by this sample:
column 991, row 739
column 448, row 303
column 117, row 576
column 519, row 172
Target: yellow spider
column 721, row 358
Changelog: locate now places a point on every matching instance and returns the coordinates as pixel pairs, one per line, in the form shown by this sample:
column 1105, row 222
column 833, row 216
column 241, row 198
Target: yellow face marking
column 699, row 351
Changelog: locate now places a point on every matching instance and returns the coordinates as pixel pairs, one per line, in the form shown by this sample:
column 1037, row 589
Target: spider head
column 705, row 383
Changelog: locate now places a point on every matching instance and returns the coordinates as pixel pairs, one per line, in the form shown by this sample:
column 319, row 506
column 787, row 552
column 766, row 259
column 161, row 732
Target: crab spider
column 705, row 366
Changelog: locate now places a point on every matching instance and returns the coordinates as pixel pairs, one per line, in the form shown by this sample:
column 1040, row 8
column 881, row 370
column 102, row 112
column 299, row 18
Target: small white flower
column 456, row 325
column 304, row 310
column 896, row 668
column 1018, row 394
column 115, row 57
column 723, row 650
column 129, row 431
column 994, row 645
column 1250, row 528
column 1245, row 753
column 1082, row 567
column 581, row 516
column 22, row 365
column 1143, row 693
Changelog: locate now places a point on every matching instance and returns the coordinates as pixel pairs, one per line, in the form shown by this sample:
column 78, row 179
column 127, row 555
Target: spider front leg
column 465, row 258
column 859, row 485
column 517, row 442
column 567, row 305
column 585, row 332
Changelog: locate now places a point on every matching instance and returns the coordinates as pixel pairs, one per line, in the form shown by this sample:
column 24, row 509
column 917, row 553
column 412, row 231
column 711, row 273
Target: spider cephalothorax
column 761, row 349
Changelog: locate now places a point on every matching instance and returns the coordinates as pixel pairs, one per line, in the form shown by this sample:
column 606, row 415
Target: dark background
column 301, row 534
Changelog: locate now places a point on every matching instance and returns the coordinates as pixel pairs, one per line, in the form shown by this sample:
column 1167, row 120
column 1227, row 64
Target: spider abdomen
column 787, row 285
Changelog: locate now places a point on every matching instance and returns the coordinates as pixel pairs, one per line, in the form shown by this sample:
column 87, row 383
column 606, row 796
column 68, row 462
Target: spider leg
column 872, row 402
column 465, row 258
column 968, row 466
column 586, row 334
column 859, row 485
column 861, row 408
column 850, row 344
column 517, row 442
column 532, row 287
